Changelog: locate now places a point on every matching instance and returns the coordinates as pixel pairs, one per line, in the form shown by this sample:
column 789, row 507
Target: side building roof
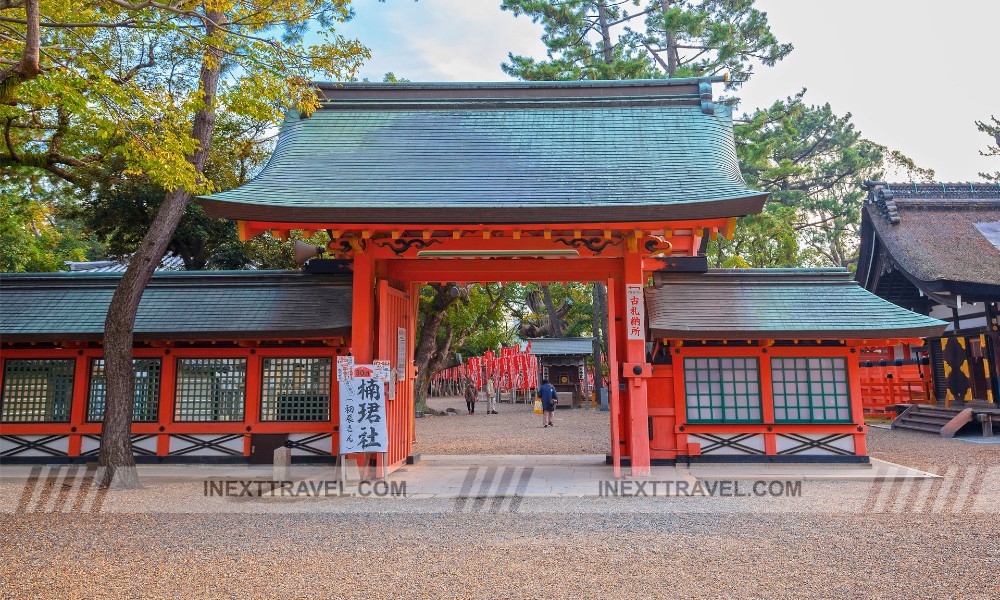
column 939, row 239
column 219, row 305
column 495, row 153
column 561, row 346
column 726, row 304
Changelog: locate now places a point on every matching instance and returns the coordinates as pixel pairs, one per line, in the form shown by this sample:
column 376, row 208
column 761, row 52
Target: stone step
column 917, row 427
column 926, row 420
column 928, row 410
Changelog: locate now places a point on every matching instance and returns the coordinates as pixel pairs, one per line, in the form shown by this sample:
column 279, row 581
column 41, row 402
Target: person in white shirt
column 491, row 397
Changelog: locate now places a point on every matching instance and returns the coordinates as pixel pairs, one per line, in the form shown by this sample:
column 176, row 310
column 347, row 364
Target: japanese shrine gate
column 622, row 183
column 596, row 181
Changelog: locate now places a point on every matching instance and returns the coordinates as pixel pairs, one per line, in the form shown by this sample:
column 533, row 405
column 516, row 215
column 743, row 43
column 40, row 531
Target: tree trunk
column 555, row 323
column 602, row 16
column 29, row 66
column 116, row 434
column 427, row 343
column 670, row 42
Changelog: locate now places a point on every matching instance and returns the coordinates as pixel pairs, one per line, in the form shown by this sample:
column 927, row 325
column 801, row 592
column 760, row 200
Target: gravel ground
column 516, row 430
column 552, row 548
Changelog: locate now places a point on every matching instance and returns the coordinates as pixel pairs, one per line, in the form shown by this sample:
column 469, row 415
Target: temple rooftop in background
column 478, row 153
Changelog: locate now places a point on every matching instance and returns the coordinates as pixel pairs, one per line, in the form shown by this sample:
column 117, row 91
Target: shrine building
column 618, row 182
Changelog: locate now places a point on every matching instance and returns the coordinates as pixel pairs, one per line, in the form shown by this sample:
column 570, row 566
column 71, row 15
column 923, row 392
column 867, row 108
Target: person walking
column 491, row 397
column 547, row 394
column 470, row 396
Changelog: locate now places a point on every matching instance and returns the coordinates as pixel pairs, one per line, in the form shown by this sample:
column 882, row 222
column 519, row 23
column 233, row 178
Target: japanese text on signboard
column 634, row 312
column 362, row 412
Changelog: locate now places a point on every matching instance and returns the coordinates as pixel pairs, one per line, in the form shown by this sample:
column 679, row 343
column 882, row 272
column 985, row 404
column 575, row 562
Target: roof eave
column 752, row 203
column 786, row 334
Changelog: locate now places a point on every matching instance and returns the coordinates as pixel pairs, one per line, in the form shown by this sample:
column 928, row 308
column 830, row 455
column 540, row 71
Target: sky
column 915, row 74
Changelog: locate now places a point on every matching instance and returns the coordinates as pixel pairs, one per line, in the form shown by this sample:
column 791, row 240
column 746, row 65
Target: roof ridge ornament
column 705, row 94
column 881, row 196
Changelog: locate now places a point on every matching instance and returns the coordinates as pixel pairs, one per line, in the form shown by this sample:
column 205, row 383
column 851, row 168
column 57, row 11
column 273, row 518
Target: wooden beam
column 245, row 231
column 730, row 228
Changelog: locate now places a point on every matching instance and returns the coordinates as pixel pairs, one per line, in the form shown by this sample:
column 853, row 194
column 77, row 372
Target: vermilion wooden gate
column 395, row 329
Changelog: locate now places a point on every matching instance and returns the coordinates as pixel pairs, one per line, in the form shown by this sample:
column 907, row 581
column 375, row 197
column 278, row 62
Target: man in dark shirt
column 470, row 395
column 547, row 394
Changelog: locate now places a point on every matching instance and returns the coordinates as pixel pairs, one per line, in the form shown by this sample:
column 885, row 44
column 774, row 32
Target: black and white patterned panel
column 311, row 444
column 33, row 446
column 142, row 445
column 729, row 443
column 815, row 444
column 206, row 445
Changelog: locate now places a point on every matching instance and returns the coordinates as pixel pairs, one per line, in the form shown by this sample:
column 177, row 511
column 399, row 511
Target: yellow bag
column 538, row 407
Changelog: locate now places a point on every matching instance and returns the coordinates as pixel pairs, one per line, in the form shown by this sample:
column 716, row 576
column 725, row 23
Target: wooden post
column 614, row 397
column 363, row 307
column 635, row 360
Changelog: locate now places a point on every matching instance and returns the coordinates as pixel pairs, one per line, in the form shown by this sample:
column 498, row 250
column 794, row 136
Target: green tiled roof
column 563, row 152
column 561, row 346
column 223, row 305
column 776, row 303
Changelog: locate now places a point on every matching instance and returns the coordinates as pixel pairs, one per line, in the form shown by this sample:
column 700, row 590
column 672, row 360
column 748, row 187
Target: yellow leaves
column 146, row 115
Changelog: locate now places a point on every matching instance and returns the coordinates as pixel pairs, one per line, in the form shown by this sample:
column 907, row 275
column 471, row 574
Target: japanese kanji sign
column 362, row 413
column 383, row 370
column 345, row 364
column 401, row 353
column 635, row 318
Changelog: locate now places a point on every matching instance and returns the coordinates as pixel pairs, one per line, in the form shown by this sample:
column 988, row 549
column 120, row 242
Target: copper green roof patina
column 205, row 305
column 776, row 303
column 556, row 152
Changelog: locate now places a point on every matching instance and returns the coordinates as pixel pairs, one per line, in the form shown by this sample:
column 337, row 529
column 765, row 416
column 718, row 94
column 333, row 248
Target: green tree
column 812, row 162
column 35, row 234
column 603, row 39
column 991, row 129
column 468, row 320
column 146, row 82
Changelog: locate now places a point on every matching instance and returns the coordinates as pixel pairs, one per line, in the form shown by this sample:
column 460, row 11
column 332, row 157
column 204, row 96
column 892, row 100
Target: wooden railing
column 883, row 387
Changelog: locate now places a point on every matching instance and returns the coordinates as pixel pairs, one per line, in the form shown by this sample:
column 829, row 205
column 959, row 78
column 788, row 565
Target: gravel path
column 552, row 548
column 516, row 430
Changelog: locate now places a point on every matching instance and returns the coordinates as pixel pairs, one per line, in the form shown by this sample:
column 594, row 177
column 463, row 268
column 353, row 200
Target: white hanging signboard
column 362, row 412
column 400, row 353
column 634, row 311
column 383, row 370
column 344, row 366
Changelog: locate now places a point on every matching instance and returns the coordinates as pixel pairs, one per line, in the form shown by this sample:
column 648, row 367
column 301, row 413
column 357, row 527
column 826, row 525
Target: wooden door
column 395, row 343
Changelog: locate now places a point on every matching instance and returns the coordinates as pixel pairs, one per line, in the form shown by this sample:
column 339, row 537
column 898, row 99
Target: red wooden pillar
column 168, row 394
column 857, row 408
column 78, row 405
column 614, row 396
column 363, row 306
column 635, row 368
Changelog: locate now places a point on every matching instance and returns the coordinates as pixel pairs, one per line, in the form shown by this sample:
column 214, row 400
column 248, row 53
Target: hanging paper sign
column 401, row 353
column 383, row 370
column 634, row 309
column 362, row 413
column 344, row 366
column 391, row 386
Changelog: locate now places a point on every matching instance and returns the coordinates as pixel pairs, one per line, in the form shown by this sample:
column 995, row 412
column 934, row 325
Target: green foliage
column 991, row 129
column 573, row 303
column 812, row 161
column 111, row 110
column 604, row 39
column 35, row 235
